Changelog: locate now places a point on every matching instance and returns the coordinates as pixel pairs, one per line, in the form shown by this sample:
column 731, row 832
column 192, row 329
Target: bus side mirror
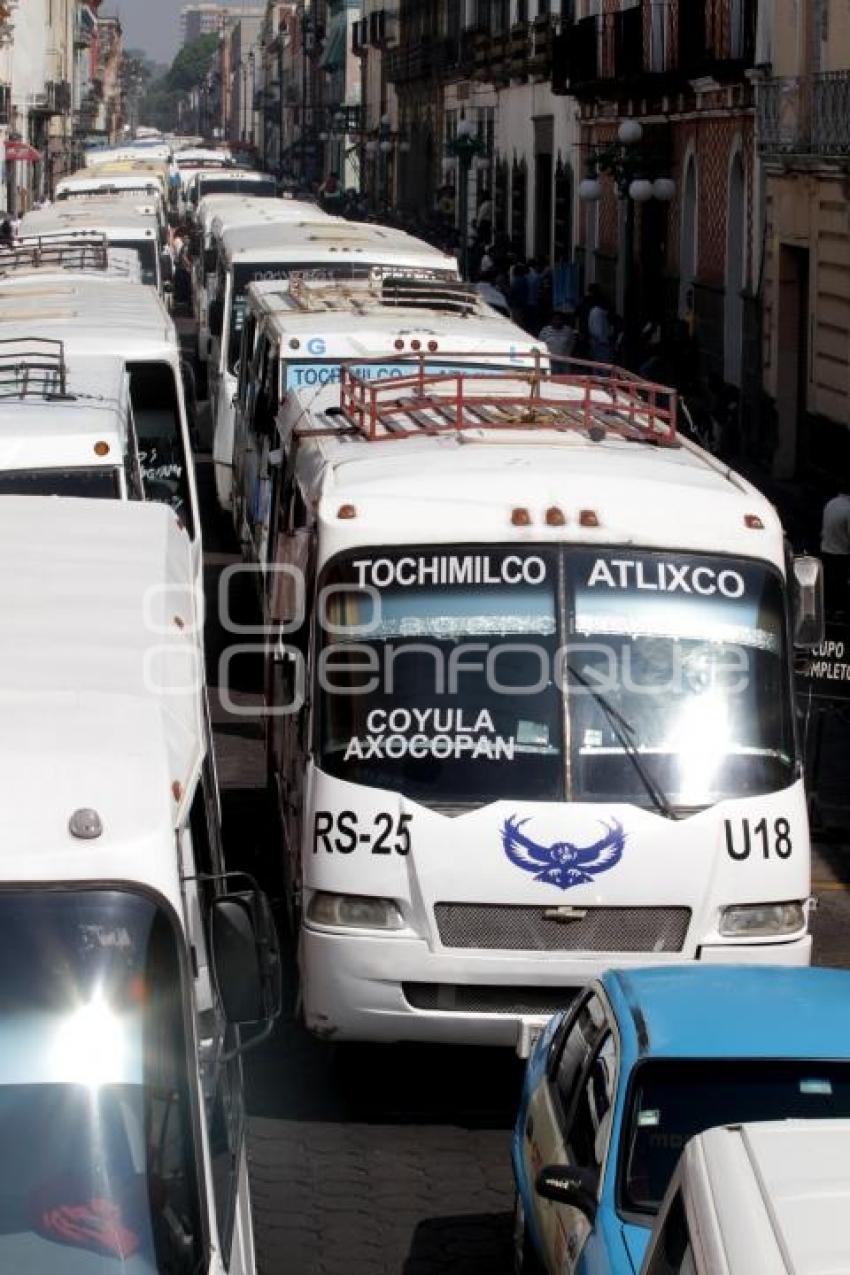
column 566, row 1185
column 216, row 316
column 809, row 617
column 246, row 957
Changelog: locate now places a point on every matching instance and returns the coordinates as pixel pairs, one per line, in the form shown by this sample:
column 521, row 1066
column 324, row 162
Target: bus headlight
column 762, row 920
column 354, row 911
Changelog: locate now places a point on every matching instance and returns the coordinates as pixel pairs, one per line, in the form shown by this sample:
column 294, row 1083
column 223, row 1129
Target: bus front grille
column 513, row 928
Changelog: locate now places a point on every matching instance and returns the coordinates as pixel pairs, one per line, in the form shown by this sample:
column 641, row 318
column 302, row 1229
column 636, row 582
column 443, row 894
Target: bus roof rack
column 33, row 367
column 591, row 397
column 68, row 252
column 447, row 295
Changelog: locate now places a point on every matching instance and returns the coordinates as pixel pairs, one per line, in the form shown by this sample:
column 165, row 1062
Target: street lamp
column 632, row 168
column 464, row 146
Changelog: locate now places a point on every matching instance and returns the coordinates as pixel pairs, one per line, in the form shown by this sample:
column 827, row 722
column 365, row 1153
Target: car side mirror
column 808, row 603
column 566, row 1185
column 216, row 316
column 246, row 957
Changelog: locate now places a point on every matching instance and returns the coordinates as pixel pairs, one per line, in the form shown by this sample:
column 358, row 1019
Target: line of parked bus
column 136, row 968
column 529, row 709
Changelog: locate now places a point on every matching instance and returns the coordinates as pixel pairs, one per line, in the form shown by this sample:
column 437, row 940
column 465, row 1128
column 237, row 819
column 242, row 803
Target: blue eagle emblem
column 563, row 864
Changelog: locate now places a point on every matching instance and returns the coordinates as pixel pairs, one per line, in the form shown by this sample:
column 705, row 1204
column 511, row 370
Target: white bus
column 129, row 323
column 333, row 249
column 134, row 973
column 56, row 256
column 123, row 224
column 530, row 712
column 66, row 426
column 228, row 181
column 298, row 335
column 216, row 215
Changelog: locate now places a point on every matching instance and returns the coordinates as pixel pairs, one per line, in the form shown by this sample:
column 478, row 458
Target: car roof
column 699, row 1011
column 108, row 717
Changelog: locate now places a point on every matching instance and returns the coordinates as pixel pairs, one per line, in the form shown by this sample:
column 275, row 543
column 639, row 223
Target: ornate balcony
column 805, row 116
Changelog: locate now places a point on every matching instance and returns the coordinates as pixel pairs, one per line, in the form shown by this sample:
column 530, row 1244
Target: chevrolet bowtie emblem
column 565, row 914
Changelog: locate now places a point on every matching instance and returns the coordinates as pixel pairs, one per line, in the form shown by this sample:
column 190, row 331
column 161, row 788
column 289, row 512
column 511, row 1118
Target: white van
column 299, row 335
column 134, row 972
column 127, row 322
column 758, row 1199
column 228, row 181
column 332, row 249
column 58, row 255
column 530, row 707
column 66, row 426
column 123, row 225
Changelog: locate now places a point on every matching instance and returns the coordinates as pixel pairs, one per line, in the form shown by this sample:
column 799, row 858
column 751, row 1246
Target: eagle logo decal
column 563, row 864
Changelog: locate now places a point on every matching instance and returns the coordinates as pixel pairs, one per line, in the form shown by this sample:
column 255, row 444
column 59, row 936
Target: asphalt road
column 390, row 1160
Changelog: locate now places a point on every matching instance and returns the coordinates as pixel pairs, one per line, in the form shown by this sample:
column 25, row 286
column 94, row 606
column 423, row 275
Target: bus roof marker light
column 555, row 517
column 398, row 343
column 753, row 522
column 85, row 824
column 520, row 517
column 294, row 343
column 433, row 345
column 346, row 511
column 588, row 518
column 101, row 448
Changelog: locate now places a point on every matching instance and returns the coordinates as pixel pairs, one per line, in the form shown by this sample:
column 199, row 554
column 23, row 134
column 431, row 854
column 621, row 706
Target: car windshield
column 463, row 675
column 97, row 1170
column 101, row 483
column 672, row 1100
column 147, row 251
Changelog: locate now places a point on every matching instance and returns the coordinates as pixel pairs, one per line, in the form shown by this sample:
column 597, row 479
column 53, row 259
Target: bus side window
column 245, row 359
column 156, row 407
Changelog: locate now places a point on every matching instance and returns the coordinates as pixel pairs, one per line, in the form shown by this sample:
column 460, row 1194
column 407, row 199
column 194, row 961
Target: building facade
column 804, row 149
column 201, row 19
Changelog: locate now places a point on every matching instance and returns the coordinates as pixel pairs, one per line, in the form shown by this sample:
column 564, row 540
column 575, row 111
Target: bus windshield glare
column 97, row 1169
column 469, row 675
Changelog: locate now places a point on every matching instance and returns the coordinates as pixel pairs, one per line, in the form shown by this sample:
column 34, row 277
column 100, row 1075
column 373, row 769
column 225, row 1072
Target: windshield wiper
column 625, row 733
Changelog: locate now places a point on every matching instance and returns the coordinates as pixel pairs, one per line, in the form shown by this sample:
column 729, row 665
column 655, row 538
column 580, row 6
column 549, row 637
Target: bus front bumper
column 372, row 987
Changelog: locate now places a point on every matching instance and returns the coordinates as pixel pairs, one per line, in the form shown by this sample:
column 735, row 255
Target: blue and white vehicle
column 299, row 335
column 643, row 1061
column 546, row 716
column 329, row 249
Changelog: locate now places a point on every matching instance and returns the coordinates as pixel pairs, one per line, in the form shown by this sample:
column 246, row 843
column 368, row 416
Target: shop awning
column 21, row 151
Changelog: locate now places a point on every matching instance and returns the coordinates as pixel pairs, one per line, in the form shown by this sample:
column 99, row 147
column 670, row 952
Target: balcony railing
column 418, row 59
column 805, row 115
column 718, row 39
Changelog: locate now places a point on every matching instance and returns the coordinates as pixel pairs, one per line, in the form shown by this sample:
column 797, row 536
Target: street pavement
column 390, row 1160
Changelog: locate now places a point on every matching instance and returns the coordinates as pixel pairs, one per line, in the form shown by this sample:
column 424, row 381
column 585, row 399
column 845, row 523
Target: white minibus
column 135, row 970
column 334, row 249
column 530, row 707
column 128, row 322
column 298, row 335
column 66, row 426
column 122, row 223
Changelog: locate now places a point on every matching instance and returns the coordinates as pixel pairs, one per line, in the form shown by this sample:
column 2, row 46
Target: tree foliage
column 192, row 63
column 159, row 106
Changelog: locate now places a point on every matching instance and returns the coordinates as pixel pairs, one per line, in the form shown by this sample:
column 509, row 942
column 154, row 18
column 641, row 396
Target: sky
column 154, row 25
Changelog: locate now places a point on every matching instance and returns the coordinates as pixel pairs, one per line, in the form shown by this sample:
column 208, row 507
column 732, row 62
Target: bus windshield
column 97, row 1169
column 470, row 675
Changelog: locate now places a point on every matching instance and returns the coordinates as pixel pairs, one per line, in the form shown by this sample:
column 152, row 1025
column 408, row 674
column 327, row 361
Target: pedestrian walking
column 559, row 337
column 835, row 550
column 599, row 330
